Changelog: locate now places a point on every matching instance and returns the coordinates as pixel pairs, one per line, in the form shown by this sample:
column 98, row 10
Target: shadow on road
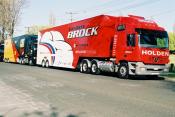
column 170, row 85
column 53, row 113
column 114, row 75
column 146, row 78
column 108, row 74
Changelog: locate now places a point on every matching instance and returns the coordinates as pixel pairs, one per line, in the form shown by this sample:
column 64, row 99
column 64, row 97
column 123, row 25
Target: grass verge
column 170, row 75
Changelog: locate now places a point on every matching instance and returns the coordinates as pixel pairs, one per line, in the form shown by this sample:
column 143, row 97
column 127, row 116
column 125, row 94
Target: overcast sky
column 37, row 12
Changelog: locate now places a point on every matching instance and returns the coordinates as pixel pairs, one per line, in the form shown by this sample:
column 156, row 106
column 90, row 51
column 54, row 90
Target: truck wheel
column 30, row 62
column 22, row 61
column 43, row 63
column 47, row 64
column 81, row 68
column 8, row 61
column 123, row 71
column 85, row 68
column 5, row 60
column 94, row 68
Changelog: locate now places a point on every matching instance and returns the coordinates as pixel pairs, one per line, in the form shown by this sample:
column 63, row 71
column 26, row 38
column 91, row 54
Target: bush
column 172, row 68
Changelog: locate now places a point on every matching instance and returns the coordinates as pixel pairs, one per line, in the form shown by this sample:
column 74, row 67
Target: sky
column 37, row 12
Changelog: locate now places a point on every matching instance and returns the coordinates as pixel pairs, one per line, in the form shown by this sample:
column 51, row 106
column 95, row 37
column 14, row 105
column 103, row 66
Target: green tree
column 10, row 11
column 171, row 41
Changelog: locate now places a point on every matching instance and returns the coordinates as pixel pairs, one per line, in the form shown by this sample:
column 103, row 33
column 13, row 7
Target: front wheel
column 123, row 71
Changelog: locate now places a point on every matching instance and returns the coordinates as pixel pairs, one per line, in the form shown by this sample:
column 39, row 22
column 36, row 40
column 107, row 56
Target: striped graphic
column 51, row 50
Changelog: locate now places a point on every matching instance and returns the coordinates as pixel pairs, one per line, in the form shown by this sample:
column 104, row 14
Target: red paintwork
column 101, row 45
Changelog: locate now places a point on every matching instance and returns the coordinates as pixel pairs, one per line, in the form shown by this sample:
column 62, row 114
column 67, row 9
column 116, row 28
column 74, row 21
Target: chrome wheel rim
column 94, row 68
column 85, row 67
column 123, row 71
column 47, row 64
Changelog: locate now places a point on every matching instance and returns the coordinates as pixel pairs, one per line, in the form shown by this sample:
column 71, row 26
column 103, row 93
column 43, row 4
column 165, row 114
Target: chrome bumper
column 139, row 68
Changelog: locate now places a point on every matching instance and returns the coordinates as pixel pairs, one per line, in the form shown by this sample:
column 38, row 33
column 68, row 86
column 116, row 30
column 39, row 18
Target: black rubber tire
column 81, row 68
column 85, row 68
column 47, row 64
column 123, row 71
column 30, row 62
column 43, row 64
column 22, row 61
column 94, row 68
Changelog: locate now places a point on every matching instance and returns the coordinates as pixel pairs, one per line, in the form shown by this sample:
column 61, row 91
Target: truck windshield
column 152, row 38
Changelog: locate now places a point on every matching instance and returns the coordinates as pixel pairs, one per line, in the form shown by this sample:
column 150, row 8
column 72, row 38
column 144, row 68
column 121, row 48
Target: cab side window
column 131, row 40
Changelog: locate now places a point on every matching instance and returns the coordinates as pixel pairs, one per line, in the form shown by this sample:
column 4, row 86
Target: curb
column 169, row 79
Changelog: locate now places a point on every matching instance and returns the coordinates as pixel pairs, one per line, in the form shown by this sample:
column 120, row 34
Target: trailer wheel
column 30, row 62
column 47, row 64
column 85, row 68
column 43, row 63
column 21, row 61
column 8, row 61
column 81, row 68
column 94, row 68
column 123, row 71
column 5, row 60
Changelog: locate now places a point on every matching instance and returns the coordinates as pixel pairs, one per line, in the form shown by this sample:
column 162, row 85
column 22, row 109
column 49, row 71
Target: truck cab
column 21, row 49
column 142, row 47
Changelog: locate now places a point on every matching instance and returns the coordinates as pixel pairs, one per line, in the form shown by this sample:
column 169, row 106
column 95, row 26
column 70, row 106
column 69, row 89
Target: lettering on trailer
column 86, row 32
column 155, row 53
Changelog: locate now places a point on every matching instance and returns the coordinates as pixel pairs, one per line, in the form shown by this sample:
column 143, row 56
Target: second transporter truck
column 21, row 49
column 125, row 45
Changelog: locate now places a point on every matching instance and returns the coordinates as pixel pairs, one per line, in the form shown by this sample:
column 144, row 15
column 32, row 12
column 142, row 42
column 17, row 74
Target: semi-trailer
column 126, row 46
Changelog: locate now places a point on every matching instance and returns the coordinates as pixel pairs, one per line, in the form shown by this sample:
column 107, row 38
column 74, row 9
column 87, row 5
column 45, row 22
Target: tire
column 81, row 67
column 5, row 60
column 85, row 68
column 123, row 71
column 43, row 64
column 8, row 61
column 22, row 61
column 47, row 64
column 30, row 62
column 94, row 68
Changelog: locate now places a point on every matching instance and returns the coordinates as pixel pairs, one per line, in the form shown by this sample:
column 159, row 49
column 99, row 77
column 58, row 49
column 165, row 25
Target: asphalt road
column 32, row 91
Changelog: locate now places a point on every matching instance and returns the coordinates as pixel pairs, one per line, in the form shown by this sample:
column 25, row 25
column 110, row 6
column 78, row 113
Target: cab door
column 126, row 44
column 120, row 38
column 130, row 52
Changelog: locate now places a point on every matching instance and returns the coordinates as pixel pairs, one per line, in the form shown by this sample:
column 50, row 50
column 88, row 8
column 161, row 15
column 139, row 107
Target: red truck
column 127, row 46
